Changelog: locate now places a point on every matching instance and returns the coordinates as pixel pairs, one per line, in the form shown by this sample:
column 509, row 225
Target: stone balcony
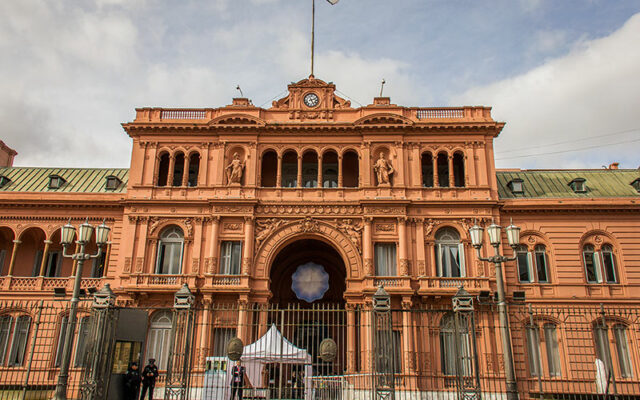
column 166, row 282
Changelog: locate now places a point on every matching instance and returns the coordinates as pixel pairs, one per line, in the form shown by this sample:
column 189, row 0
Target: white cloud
column 592, row 90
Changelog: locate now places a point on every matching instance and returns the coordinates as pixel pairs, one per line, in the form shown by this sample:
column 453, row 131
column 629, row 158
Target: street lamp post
column 513, row 237
column 67, row 234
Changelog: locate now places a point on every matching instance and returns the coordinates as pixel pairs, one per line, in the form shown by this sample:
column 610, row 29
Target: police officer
column 149, row 375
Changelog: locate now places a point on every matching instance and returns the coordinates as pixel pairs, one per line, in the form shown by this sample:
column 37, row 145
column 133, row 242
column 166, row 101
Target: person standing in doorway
column 237, row 380
column 149, row 375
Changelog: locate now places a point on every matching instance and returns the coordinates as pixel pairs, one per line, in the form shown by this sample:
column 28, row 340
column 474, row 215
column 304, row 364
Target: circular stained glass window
column 310, row 282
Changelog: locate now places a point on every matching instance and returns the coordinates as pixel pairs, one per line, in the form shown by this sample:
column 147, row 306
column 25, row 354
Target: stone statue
column 383, row 170
column 235, row 169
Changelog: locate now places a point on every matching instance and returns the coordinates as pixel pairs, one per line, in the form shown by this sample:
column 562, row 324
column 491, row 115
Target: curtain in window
column 231, row 253
column 62, row 334
column 449, row 254
column 158, row 339
column 622, row 349
column 19, row 345
column 533, row 350
column 385, row 254
column 81, row 344
column 448, row 347
column 222, row 336
column 553, row 353
column 170, row 251
column 5, row 328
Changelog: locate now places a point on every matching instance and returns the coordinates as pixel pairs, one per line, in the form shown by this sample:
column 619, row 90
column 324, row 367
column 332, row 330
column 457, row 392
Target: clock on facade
column 311, row 100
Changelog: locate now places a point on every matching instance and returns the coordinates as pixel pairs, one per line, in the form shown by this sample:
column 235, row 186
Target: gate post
column 383, row 347
column 97, row 362
column 465, row 346
column 180, row 342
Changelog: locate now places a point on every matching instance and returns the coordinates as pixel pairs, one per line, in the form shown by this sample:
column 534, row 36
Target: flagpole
column 313, row 23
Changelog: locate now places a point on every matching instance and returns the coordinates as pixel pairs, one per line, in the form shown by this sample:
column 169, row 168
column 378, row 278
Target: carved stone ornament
column 235, row 170
column 328, row 350
column 232, row 227
column 308, row 225
column 234, row 349
column 265, row 227
column 353, row 230
column 385, row 227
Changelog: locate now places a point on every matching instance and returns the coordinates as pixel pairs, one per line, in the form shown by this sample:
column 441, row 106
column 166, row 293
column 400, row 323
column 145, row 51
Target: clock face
column 311, row 100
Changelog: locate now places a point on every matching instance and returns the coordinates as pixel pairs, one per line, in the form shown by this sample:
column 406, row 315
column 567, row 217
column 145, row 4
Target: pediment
column 237, row 119
column 325, row 92
column 383, row 119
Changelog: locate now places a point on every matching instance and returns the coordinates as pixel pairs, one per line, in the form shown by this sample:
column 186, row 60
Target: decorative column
column 242, row 319
column 153, row 245
column 12, row 263
column 436, row 180
column 213, row 250
column 172, row 163
column 340, row 171
column 185, row 171
column 279, row 172
column 299, row 177
column 248, row 245
column 451, row 180
column 204, row 331
column 367, row 253
column 421, row 256
column 351, row 338
column 45, row 252
column 402, row 244
column 407, row 336
column 320, row 171
column 107, row 258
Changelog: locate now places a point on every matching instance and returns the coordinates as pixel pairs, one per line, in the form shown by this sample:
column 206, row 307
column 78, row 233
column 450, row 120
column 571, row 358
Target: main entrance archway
column 301, row 272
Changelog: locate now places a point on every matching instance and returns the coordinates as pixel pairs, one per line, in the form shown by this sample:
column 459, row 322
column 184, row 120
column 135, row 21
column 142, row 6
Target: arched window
column 163, row 169
column 549, row 347
column 310, row 169
column 600, row 265
column 458, row 169
column 330, row 169
column 443, row 169
column 13, row 336
column 449, row 253
column 178, row 169
column 170, row 251
column 269, row 168
column 194, row 169
column 618, row 348
column 350, row 169
column 158, row 339
column 448, row 346
column 289, row 171
column 427, row 169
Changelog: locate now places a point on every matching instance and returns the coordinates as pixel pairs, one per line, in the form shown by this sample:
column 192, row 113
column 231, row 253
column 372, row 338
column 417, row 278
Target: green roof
column 555, row 183
column 77, row 180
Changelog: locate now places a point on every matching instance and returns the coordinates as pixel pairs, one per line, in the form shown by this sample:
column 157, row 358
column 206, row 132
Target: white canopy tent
column 273, row 347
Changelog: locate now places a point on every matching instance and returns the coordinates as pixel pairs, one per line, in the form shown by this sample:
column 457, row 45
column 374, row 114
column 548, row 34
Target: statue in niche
column 234, row 170
column 383, row 170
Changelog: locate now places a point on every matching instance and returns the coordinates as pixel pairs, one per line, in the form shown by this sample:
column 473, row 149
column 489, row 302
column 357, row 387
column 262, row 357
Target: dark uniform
column 149, row 375
column 132, row 381
column 237, row 381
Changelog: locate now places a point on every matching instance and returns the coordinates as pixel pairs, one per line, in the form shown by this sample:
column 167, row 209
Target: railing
column 183, row 114
column 225, row 280
column 161, row 279
column 388, row 282
column 32, row 283
column 90, row 282
column 52, row 283
column 439, row 113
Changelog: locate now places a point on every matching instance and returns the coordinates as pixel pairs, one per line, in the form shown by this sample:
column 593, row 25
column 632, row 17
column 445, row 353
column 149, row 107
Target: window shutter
column 463, row 270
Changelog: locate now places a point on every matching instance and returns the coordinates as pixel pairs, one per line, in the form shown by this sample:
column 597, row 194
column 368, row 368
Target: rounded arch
column 157, row 230
column 308, row 229
column 348, row 149
column 462, row 233
column 531, row 238
column 268, row 149
column 323, row 150
column 594, row 237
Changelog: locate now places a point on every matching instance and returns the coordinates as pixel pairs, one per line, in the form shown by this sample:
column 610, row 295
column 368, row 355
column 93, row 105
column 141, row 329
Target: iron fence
column 327, row 351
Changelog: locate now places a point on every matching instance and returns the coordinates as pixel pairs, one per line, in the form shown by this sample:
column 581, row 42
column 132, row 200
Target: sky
column 563, row 74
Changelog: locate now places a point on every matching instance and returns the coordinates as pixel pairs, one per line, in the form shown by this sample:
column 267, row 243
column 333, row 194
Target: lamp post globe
column 85, row 231
column 494, row 234
column 476, row 233
column 102, row 234
column 67, row 233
